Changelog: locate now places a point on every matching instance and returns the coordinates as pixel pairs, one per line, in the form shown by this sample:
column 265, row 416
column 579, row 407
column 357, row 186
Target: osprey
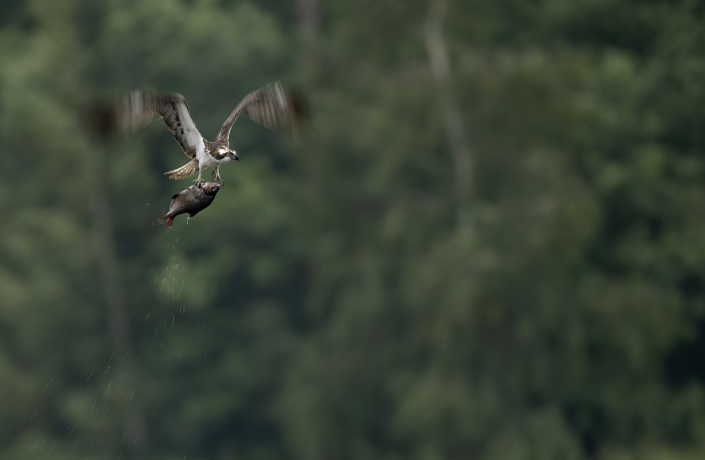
column 270, row 106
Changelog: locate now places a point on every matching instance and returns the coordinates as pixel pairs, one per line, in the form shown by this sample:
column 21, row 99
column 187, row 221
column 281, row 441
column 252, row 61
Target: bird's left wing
column 271, row 106
column 137, row 108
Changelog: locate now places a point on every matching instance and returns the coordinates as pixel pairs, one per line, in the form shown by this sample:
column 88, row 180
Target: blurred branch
column 441, row 71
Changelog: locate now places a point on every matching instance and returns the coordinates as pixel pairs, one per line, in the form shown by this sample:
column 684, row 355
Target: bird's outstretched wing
column 137, row 108
column 271, row 106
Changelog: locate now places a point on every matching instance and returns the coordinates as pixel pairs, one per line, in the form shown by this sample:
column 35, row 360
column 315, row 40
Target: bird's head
column 223, row 154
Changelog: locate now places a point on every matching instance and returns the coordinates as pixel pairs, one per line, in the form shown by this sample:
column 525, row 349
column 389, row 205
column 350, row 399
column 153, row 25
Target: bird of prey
column 271, row 106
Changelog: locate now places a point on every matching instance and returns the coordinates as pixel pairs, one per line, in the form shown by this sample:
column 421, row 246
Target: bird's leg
column 216, row 175
column 199, row 180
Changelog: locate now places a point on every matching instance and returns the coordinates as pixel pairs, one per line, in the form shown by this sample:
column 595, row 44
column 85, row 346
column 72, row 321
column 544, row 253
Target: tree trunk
column 308, row 18
column 441, row 71
column 114, row 296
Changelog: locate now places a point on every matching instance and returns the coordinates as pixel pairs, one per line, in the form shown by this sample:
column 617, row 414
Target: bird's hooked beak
column 233, row 156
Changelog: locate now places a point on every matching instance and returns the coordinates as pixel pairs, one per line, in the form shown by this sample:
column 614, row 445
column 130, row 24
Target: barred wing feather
column 137, row 108
column 271, row 106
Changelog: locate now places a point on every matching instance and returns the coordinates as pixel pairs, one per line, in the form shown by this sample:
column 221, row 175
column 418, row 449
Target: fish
column 191, row 200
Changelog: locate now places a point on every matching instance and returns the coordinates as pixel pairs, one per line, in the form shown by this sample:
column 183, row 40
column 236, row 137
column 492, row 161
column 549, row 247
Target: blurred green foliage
column 328, row 305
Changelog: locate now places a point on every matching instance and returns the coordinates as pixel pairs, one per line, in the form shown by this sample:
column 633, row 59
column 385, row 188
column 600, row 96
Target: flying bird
column 271, row 106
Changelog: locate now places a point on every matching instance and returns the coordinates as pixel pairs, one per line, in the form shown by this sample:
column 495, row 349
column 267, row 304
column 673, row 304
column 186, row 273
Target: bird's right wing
column 137, row 108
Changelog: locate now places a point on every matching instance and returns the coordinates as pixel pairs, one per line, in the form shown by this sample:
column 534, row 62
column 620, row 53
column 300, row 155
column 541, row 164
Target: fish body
column 190, row 201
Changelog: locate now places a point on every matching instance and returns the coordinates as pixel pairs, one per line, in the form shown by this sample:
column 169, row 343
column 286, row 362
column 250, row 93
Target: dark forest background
column 491, row 246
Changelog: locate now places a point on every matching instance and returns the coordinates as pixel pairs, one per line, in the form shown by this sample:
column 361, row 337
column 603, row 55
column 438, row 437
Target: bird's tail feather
column 167, row 218
column 186, row 170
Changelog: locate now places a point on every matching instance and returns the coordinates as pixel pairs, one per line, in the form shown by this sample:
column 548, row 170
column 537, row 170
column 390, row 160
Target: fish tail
column 167, row 218
column 186, row 170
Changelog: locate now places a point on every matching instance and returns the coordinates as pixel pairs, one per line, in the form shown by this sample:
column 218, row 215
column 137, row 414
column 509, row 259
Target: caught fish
column 190, row 200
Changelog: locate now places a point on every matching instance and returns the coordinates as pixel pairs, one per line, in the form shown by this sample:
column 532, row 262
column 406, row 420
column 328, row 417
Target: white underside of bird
column 206, row 160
